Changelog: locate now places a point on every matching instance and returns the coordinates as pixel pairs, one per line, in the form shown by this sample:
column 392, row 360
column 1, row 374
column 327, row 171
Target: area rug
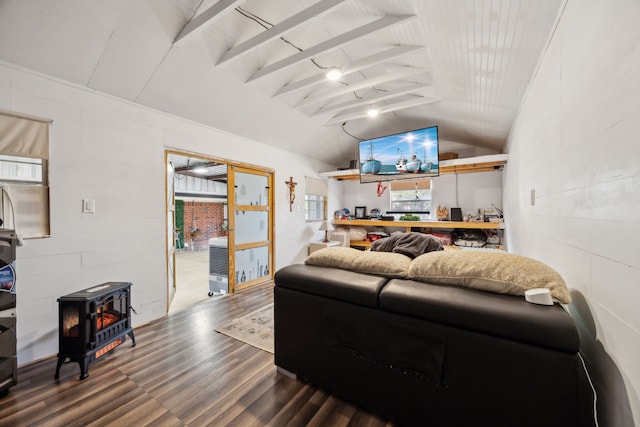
column 255, row 328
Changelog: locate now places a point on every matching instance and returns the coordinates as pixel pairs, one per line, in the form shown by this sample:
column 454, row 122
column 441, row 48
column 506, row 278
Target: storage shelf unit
column 408, row 225
column 424, row 224
column 8, row 343
column 487, row 163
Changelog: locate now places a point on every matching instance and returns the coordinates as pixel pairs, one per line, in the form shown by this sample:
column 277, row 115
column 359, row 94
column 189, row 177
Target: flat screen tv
column 406, row 155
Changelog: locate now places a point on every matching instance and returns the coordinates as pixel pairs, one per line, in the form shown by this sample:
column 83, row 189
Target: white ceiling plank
column 408, row 104
column 216, row 11
column 315, row 11
column 381, row 57
column 393, row 75
column 370, row 61
column 386, row 109
column 379, row 96
column 331, row 44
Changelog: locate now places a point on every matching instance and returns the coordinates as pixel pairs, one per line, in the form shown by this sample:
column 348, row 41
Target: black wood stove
column 93, row 322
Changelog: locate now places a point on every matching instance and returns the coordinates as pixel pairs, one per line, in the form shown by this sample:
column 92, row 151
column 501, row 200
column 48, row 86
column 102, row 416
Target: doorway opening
column 197, row 188
column 216, row 243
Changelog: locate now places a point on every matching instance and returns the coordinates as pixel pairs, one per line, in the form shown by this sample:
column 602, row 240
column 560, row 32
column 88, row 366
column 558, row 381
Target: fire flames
column 105, row 319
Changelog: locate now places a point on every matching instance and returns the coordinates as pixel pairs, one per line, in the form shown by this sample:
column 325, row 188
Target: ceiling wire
column 268, row 25
column 352, row 136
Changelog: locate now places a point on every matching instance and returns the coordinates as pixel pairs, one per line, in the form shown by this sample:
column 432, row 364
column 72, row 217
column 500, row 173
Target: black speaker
column 456, row 214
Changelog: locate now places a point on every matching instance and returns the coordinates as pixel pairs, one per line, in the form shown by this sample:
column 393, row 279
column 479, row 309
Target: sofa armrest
column 334, row 283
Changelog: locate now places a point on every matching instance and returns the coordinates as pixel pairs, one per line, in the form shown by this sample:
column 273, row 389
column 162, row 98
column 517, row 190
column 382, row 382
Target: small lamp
column 325, row 226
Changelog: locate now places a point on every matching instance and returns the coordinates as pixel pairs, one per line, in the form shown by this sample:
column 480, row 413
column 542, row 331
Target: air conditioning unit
column 218, row 266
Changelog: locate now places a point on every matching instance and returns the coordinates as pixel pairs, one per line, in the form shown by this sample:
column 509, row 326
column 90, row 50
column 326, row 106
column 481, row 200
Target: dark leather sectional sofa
column 420, row 354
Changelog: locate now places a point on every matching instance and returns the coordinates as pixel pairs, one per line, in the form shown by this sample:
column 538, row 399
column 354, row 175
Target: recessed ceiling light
column 334, row 73
column 200, row 170
column 373, row 112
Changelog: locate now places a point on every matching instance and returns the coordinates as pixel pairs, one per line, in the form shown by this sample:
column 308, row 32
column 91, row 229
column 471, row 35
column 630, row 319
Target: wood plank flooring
column 180, row 373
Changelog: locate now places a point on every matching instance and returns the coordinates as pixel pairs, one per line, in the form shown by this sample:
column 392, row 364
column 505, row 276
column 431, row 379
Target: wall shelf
column 408, row 225
column 422, row 224
column 467, row 165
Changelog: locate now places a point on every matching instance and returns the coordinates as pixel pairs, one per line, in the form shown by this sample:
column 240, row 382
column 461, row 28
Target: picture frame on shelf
column 361, row 212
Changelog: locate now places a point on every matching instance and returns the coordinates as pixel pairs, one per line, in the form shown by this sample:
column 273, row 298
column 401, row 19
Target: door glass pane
column 251, row 189
column 252, row 264
column 252, row 226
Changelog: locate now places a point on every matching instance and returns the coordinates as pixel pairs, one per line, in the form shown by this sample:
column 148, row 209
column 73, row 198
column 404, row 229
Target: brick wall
column 207, row 217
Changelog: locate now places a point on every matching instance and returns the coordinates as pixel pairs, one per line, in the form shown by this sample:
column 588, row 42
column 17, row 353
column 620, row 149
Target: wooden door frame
column 243, row 167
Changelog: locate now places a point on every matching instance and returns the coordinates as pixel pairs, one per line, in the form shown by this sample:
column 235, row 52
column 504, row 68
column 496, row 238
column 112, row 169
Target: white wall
column 468, row 191
column 575, row 142
column 112, row 151
column 355, row 194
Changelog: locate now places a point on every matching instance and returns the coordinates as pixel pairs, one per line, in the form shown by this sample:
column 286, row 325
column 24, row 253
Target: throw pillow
column 334, row 256
column 489, row 271
column 387, row 264
column 384, row 264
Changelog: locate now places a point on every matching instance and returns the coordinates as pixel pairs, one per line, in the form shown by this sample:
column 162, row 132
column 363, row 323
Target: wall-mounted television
column 405, row 155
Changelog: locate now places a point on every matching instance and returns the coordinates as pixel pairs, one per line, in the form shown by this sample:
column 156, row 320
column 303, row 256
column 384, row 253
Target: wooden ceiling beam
column 364, row 63
column 318, row 9
column 387, row 108
column 398, row 74
column 331, row 44
column 378, row 96
column 215, row 12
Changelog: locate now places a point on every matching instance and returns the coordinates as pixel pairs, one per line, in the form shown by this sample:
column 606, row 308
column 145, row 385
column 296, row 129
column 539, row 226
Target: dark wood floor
column 181, row 372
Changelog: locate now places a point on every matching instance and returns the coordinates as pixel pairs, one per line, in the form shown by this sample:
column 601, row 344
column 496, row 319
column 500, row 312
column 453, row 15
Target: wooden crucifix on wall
column 292, row 192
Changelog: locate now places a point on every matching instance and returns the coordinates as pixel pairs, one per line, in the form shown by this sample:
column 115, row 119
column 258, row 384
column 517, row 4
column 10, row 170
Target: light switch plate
column 88, row 205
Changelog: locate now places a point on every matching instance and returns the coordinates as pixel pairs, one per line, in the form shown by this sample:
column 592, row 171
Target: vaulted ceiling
column 257, row 68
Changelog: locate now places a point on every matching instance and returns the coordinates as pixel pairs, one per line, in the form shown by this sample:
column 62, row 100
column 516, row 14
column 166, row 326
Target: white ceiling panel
column 137, row 47
column 64, row 39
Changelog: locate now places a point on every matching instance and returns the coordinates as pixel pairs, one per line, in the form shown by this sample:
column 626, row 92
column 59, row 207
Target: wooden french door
column 250, row 195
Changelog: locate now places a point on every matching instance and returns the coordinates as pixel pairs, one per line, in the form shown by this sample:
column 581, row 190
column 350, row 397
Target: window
column 24, row 191
column 315, row 199
column 314, row 207
column 22, row 170
column 411, row 196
